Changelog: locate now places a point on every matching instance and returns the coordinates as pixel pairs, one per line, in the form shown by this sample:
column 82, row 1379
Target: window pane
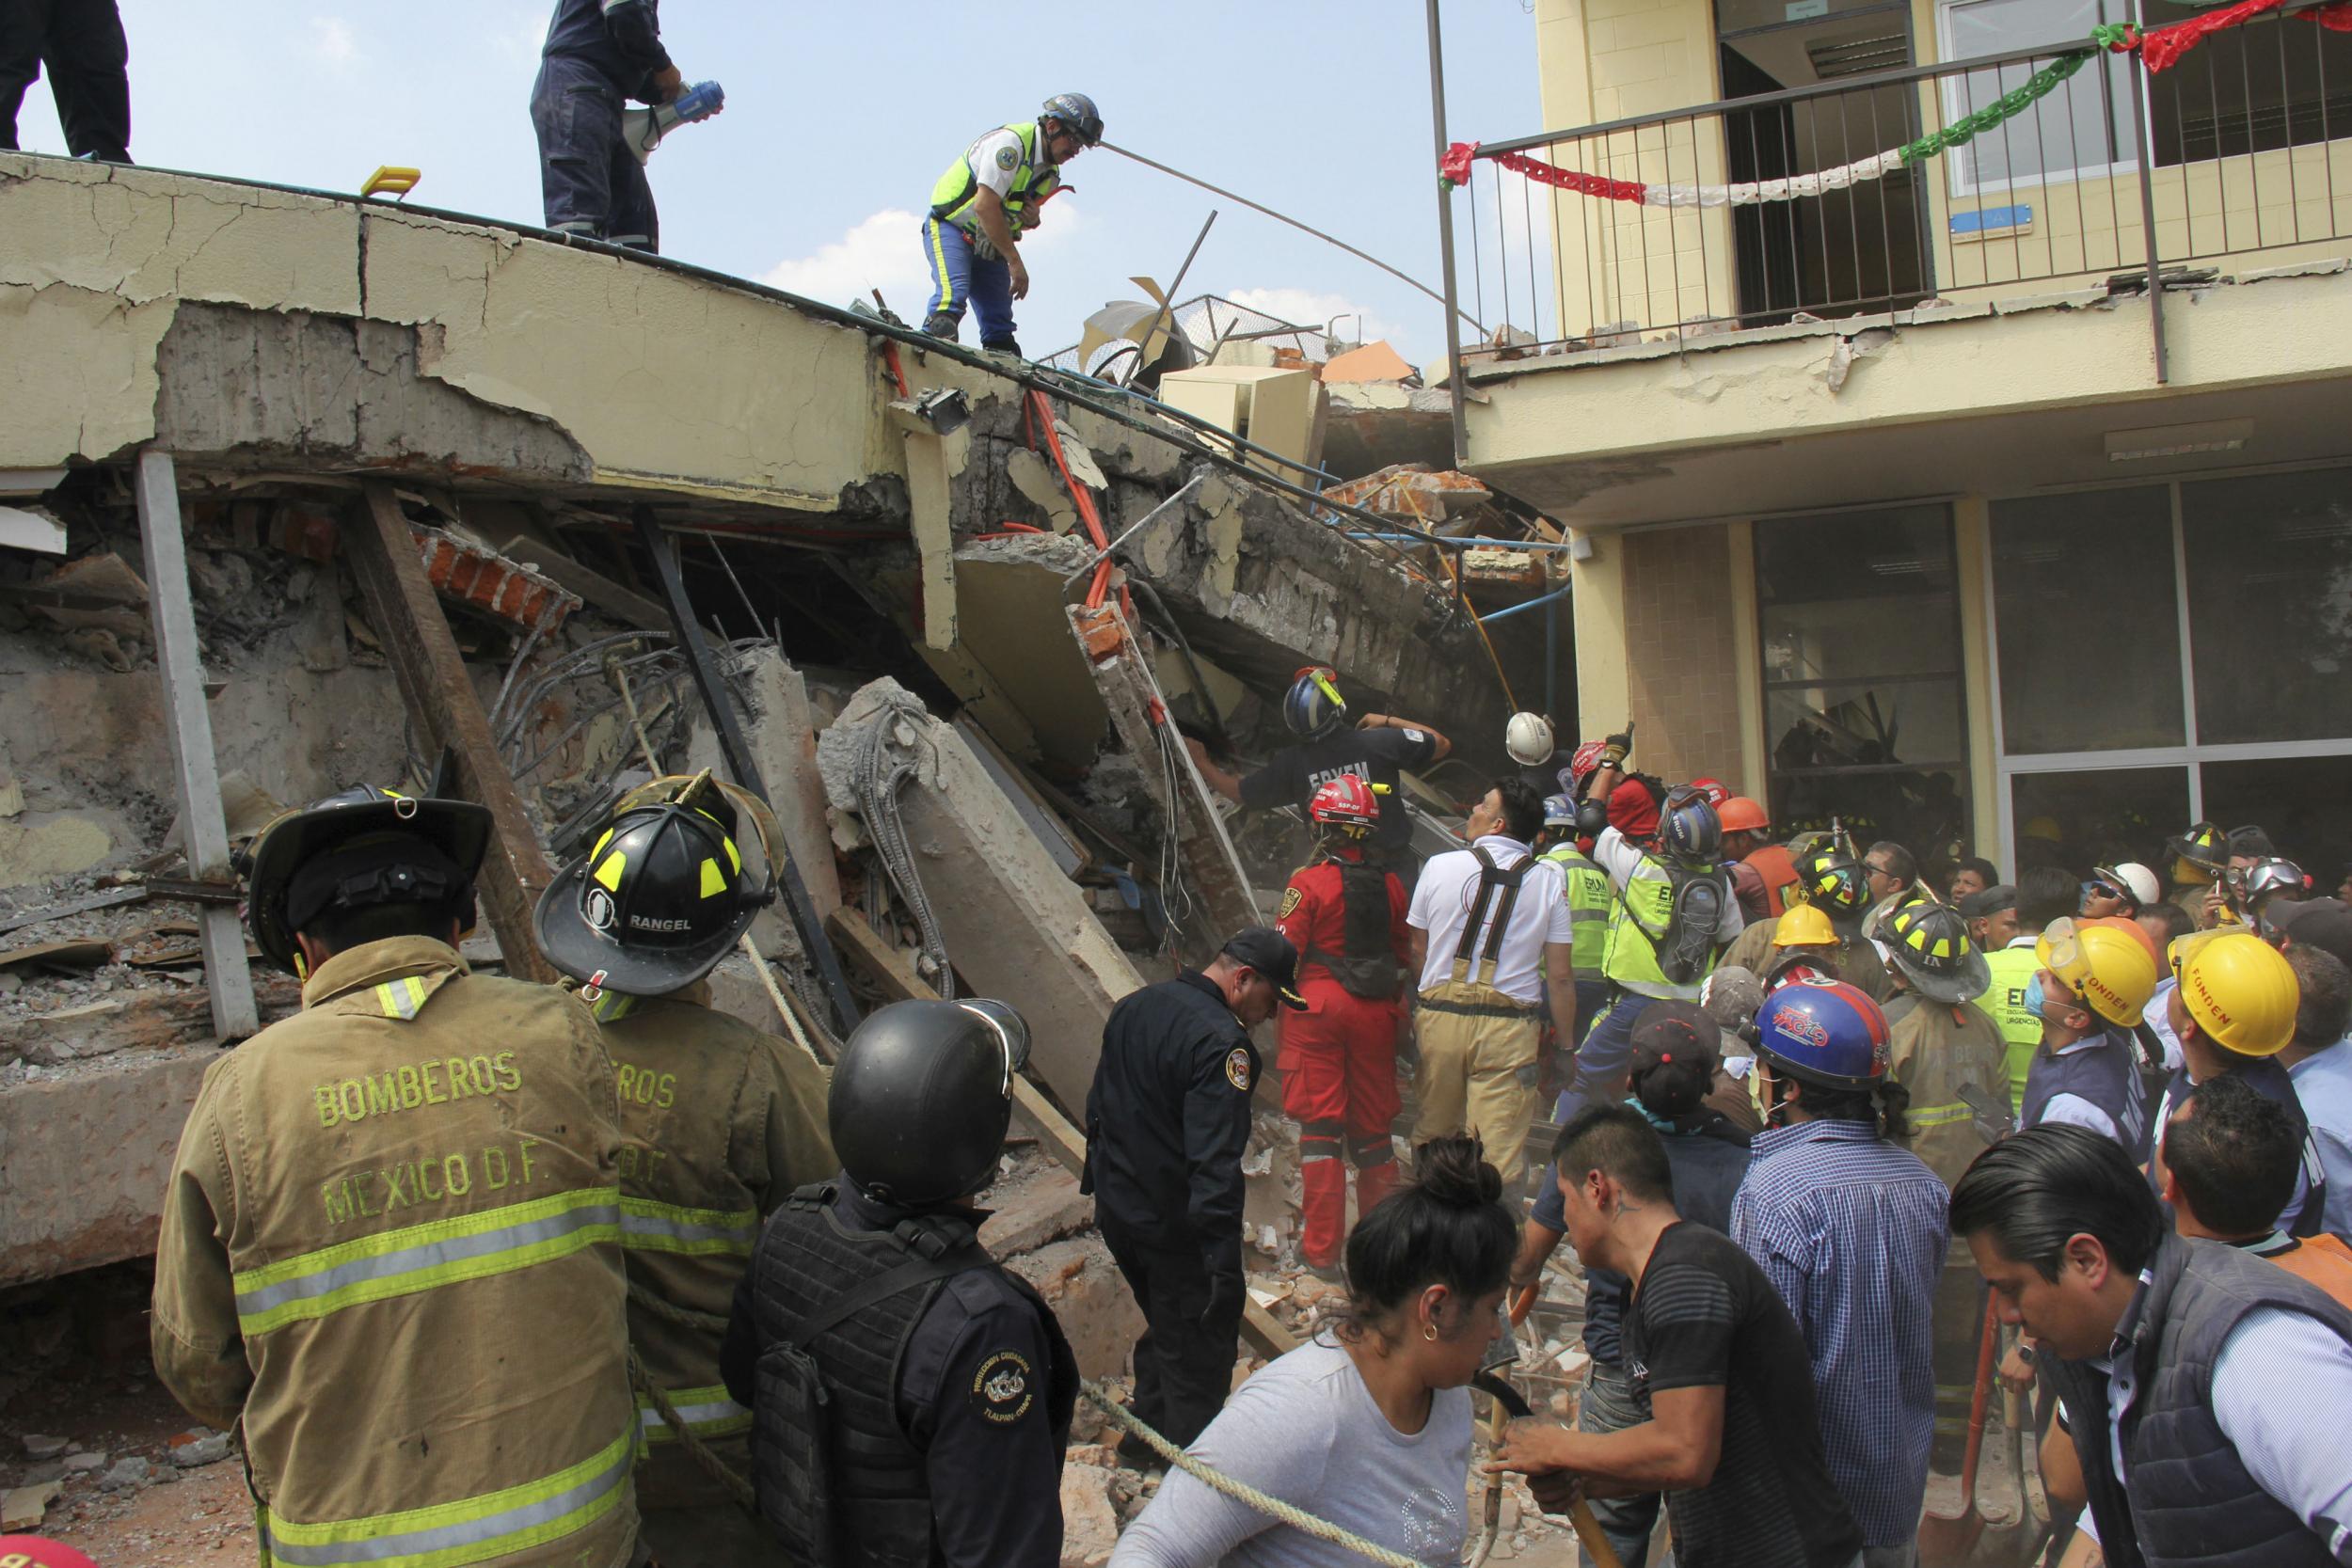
column 2270, row 605
column 2076, row 127
column 2099, row 816
column 1863, row 702
column 2300, row 800
column 2087, row 671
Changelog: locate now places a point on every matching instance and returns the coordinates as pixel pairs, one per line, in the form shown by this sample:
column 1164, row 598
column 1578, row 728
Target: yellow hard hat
column 2114, row 974
column 1804, row 925
column 2239, row 990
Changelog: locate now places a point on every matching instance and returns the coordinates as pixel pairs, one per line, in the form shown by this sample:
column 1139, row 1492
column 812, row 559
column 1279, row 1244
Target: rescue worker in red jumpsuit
column 1345, row 914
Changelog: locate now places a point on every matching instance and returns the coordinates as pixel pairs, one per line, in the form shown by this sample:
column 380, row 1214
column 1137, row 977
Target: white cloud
column 517, row 35
column 333, row 41
column 1310, row 307
column 885, row 252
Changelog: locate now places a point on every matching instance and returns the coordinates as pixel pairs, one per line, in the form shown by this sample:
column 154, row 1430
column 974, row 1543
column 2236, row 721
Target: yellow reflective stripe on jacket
column 1924, row 1117
column 402, row 998
column 652, row 1226
column 421, row 1257
column 708, row 1412
column 471, row 1531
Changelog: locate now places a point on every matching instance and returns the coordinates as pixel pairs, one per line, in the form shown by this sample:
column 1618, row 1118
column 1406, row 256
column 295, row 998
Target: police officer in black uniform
column 1166, row 1121
column 910, row 1398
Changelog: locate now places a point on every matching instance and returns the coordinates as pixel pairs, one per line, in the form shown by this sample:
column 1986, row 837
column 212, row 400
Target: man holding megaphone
column 598, row 55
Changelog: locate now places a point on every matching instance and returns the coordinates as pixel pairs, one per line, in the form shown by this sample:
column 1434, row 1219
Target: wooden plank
column 894, row 972
column 624, row 605
column 180, row 659
column 446, row 713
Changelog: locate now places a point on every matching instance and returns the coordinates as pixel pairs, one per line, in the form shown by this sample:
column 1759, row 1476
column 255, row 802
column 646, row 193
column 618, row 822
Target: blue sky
column 839, row 118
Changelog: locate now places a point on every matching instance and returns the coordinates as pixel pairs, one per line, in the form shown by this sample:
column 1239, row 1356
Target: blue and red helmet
column 1823, row 1032
column 1312, row 707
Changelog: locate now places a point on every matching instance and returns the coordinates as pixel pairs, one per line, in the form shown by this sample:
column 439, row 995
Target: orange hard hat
column 1740, row 815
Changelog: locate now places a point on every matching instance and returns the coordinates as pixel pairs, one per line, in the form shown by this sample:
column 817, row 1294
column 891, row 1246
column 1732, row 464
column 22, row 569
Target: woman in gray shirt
column 1368, row 1425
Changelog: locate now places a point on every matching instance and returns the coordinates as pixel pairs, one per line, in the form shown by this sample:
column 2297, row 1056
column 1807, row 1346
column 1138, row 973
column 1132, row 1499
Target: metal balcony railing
column 1845, row 198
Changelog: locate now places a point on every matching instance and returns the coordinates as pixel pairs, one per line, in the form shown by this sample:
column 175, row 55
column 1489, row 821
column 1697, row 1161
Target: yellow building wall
column 1619, row 262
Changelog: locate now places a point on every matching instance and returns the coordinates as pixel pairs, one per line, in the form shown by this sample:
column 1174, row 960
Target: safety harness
column 1499, row 889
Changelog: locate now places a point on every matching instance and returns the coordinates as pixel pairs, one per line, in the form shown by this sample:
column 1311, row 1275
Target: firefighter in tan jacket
column 390, row 1245
column 720, row 1123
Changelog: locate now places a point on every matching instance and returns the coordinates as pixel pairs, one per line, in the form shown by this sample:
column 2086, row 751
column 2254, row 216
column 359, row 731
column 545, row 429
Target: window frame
column 2193, row 753
column 1961, row 183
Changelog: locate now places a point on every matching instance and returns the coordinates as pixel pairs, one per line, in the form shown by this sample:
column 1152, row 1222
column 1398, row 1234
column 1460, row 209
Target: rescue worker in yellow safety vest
column 390, row 1247
column 719, row 1123
column 990, row 197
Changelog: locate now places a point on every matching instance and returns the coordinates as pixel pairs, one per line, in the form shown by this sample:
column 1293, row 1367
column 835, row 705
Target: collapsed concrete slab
column 1014, row 926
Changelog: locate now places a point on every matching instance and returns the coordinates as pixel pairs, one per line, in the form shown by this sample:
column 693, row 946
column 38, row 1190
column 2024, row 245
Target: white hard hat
column 1528, row 738
column 2135, row 879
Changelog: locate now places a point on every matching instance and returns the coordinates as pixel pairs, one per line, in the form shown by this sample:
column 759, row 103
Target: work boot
column 1134, row 1453
column 1001, row 345
column 939, row 324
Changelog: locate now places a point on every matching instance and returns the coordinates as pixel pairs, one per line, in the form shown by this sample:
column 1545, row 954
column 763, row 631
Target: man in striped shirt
column 1851, row 1229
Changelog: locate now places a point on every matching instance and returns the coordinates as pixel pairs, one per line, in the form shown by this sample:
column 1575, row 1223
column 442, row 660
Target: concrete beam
column 1015, row 927
column 62, row 1206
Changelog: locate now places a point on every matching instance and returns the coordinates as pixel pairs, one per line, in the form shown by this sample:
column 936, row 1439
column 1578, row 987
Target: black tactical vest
column 829, row 1458
column 1368, row 969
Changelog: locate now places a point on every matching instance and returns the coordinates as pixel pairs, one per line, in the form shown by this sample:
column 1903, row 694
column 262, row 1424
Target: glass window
column 2299, row 801
column 2096, row 816
column 2270, row 604
column 1859, row 617
column 2078, row 129
column 2088, row 620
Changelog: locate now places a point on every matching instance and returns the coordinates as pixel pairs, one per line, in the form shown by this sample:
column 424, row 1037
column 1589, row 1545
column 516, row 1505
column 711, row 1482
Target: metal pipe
column 1167, row 301
column 1551, row 657
column 1523, row 607
column 1145, row 521
column 1445, row 242
column 1538, row 546
column 2148, row 220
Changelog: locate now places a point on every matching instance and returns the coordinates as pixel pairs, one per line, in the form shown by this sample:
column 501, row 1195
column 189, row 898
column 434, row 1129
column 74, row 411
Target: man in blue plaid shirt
column 1852, row 1229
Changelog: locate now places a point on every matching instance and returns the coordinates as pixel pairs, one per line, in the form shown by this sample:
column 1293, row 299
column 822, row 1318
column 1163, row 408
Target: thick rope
column 1274, row 1507
column 711, row 1465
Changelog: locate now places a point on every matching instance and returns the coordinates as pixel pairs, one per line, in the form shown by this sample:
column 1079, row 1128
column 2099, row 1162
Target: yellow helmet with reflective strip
column 660, row 897
column 1804, row 925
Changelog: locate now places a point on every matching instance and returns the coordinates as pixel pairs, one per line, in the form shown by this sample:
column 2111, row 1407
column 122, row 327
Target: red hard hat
column 34, row 1551
column 1345, row 803
column 1740, row 815
column 1714, row 791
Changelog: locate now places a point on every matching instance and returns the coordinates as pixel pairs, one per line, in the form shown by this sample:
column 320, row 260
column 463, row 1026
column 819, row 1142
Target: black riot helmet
column 364, row 845
column 660, row 897
column 922, row 1097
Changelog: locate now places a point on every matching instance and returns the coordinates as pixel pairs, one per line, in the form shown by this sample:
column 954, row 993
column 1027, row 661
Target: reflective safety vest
column 1590, row 900
column 1779, row 870
column 957, row 191
column 2004, row 1003
column 1640, row 920
column 390, row 1247
column 719, row 1123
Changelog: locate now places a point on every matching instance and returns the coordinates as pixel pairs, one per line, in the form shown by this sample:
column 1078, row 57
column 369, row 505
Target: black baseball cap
column 2321, row 923
column 1992, row 900
column 1667, row 1029
column 1270, row 952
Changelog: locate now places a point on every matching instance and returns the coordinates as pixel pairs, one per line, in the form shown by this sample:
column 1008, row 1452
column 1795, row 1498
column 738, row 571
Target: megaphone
column 643, row 129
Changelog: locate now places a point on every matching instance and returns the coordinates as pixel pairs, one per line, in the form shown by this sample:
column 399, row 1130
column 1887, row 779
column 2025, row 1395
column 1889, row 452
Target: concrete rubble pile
column 975, row 796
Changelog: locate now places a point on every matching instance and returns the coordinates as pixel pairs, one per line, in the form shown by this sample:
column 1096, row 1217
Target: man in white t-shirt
column 1492, row 946
column 990, row 196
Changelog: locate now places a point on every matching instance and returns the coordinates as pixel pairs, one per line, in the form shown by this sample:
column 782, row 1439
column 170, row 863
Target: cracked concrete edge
column 667, row 381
